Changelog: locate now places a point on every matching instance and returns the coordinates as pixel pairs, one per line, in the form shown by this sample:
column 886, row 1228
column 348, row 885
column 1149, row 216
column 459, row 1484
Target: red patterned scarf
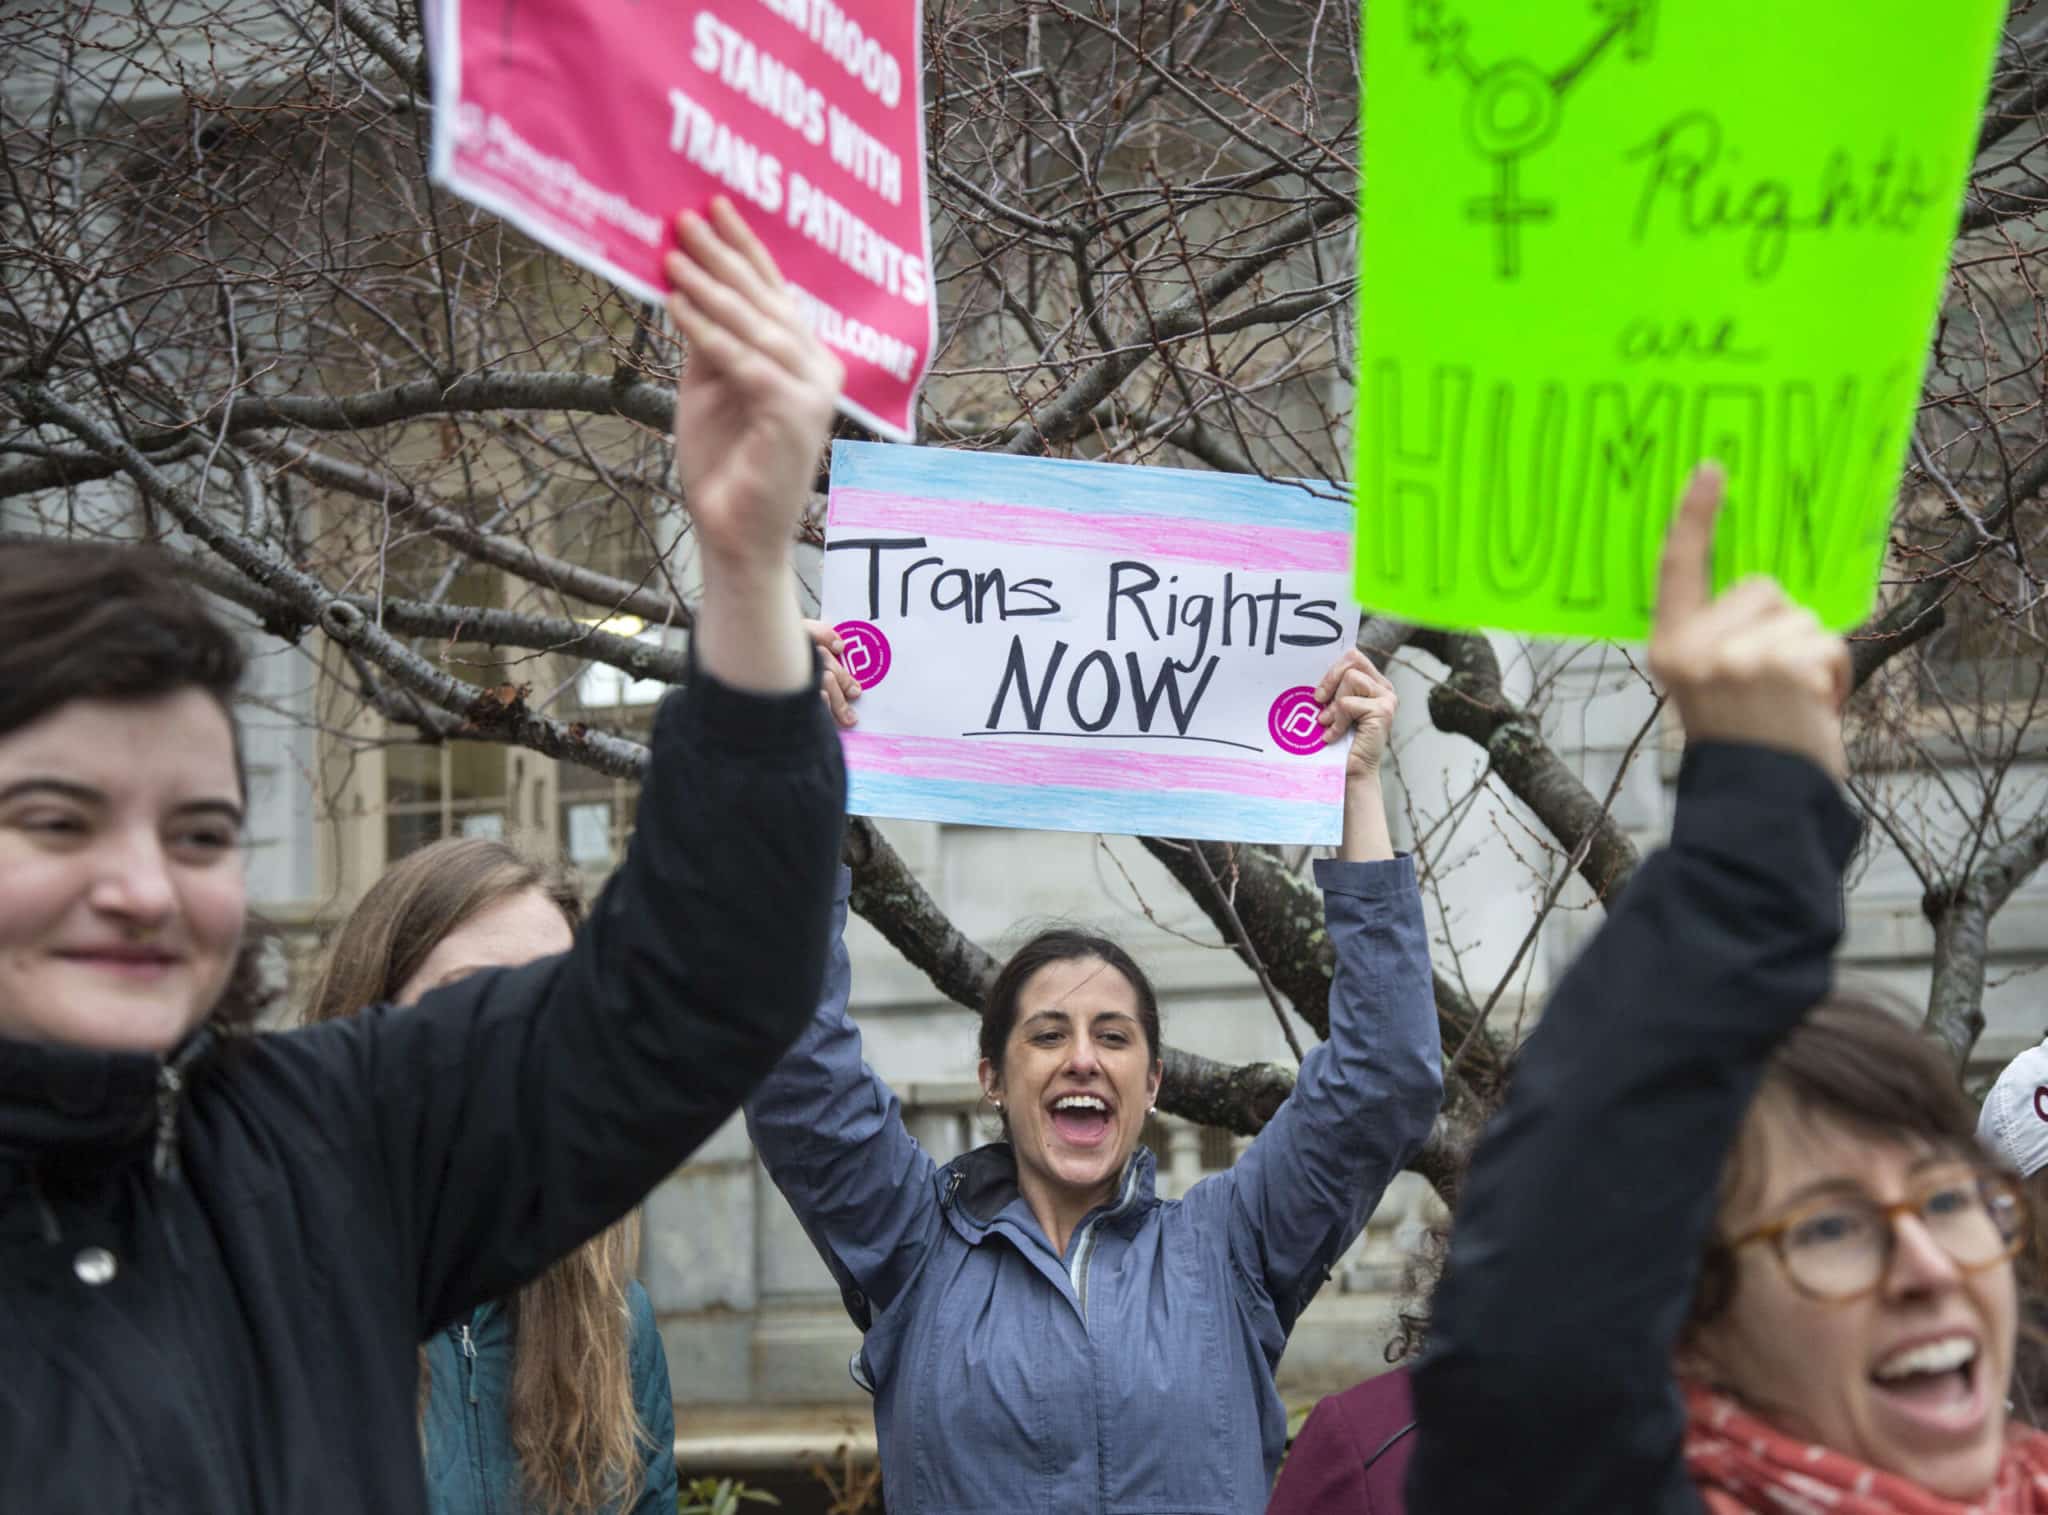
column 1744, row 1467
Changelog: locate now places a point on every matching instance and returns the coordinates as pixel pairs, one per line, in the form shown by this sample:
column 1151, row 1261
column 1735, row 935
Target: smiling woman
column 132, row 757
column 219, row 1256
column 1731, row 1247
column 1041, row 1330
column 1070, row 1062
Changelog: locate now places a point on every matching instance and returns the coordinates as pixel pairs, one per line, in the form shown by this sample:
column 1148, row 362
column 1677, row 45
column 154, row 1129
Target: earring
column 1152, row 1110
column 997, row 1103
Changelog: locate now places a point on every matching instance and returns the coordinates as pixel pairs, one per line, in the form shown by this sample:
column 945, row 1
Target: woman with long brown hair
column 557, row 1399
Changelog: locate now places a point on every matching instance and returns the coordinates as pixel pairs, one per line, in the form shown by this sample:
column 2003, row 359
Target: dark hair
column 1855, row 1061
column 1063, row 944
column 93, row 621
column 415, row 904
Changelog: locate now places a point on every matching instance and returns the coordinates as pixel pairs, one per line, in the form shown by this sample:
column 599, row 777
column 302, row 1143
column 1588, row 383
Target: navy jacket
column 1134, row 1372
column 215, row 1276
column 1547, row 1382
column 471, row 1468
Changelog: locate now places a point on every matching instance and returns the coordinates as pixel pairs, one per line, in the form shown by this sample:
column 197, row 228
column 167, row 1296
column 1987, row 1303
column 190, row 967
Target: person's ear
column 991, row 1083
column 1153, row 1080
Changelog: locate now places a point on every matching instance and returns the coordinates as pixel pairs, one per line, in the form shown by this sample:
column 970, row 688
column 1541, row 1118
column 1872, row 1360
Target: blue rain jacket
column 471, row 1469
column 1134, row 1373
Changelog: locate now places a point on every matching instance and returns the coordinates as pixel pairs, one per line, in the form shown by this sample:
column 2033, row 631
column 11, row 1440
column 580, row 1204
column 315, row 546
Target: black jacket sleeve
column 511, row 1116
column 1548, row 1382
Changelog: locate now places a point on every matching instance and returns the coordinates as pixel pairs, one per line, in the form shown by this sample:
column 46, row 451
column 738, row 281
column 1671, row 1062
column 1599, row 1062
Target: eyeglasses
column 1840, row 1248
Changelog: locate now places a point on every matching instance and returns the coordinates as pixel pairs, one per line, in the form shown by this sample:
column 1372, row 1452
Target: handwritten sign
column 1088, row 646
column 1602, row 239
column 589, row 124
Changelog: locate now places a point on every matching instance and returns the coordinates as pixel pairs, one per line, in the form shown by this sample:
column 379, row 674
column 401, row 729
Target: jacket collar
column 63, row 1104
column 982, row 1184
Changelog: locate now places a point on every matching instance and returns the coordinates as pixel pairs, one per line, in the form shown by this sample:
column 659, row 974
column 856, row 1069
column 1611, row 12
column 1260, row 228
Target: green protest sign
column 1602, row 239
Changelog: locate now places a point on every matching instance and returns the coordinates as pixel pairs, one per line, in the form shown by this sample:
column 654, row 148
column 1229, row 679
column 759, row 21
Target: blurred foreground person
column 1732, row 1245
column 555, row 1401
column 219, row 1254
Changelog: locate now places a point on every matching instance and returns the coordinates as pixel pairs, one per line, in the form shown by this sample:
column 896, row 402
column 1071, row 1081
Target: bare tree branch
column 1473, row 703
column 1961, row 916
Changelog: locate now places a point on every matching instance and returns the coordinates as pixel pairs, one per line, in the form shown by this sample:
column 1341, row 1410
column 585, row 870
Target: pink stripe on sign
column 991, row 760
column 1252, row 548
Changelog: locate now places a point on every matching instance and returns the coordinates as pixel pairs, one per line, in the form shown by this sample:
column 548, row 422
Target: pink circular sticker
column 1293, row 721
column 864, row 652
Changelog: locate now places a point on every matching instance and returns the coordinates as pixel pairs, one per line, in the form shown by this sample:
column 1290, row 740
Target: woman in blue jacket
column 555, row 1400
column 1042, row 1332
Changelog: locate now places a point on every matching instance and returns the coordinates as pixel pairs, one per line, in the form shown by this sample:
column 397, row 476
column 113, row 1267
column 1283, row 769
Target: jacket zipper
column 169, row 1085
column 1085, row 1248
column 476, row 1430
column 468, row 1360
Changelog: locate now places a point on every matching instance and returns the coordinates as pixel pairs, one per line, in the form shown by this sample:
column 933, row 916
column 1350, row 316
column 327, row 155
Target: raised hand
column 1747, row 665
column 1359, row 702
column 753, row 408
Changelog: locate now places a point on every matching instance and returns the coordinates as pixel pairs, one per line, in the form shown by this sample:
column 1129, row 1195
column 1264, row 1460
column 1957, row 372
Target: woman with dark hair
column 1731, row 1246
column 555, row 1400
column 219, row 1255
column 1041, row 1331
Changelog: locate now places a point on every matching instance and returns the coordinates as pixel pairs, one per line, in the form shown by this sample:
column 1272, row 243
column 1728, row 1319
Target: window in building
column 454, row 789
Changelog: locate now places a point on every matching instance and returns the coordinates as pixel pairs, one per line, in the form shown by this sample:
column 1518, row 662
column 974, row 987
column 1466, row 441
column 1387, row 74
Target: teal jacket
column 470, row 1466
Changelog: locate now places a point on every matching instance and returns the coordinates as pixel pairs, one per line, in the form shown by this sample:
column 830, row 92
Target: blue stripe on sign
column 1095, row 489
column 1129, row 812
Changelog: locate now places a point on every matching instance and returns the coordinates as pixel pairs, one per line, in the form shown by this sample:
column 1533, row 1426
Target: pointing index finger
column 1683, row 588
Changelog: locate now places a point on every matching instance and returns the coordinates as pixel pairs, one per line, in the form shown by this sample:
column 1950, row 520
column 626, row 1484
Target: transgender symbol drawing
column 1511, row 109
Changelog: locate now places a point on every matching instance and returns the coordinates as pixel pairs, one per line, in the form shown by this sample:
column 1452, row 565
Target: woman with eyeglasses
column 1732, row 1245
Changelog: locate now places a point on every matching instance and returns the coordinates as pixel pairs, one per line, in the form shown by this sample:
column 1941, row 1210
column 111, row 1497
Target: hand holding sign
column 838, row 687
column 1359, row 701
column 753, row 405
column 754, row 401
column 1747, row 665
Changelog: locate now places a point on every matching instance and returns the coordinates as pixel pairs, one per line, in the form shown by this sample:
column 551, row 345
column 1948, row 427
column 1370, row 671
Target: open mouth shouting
column 1080, row 1120
column 1931, row 1386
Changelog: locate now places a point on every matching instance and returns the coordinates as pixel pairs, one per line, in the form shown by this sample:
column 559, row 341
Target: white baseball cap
column 2013, row 1124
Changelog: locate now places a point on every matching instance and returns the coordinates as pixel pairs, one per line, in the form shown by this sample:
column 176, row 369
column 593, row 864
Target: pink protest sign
column 589, row 124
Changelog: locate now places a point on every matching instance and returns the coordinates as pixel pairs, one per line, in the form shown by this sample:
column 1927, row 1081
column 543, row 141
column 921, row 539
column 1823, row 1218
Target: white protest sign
column 1088, row 646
